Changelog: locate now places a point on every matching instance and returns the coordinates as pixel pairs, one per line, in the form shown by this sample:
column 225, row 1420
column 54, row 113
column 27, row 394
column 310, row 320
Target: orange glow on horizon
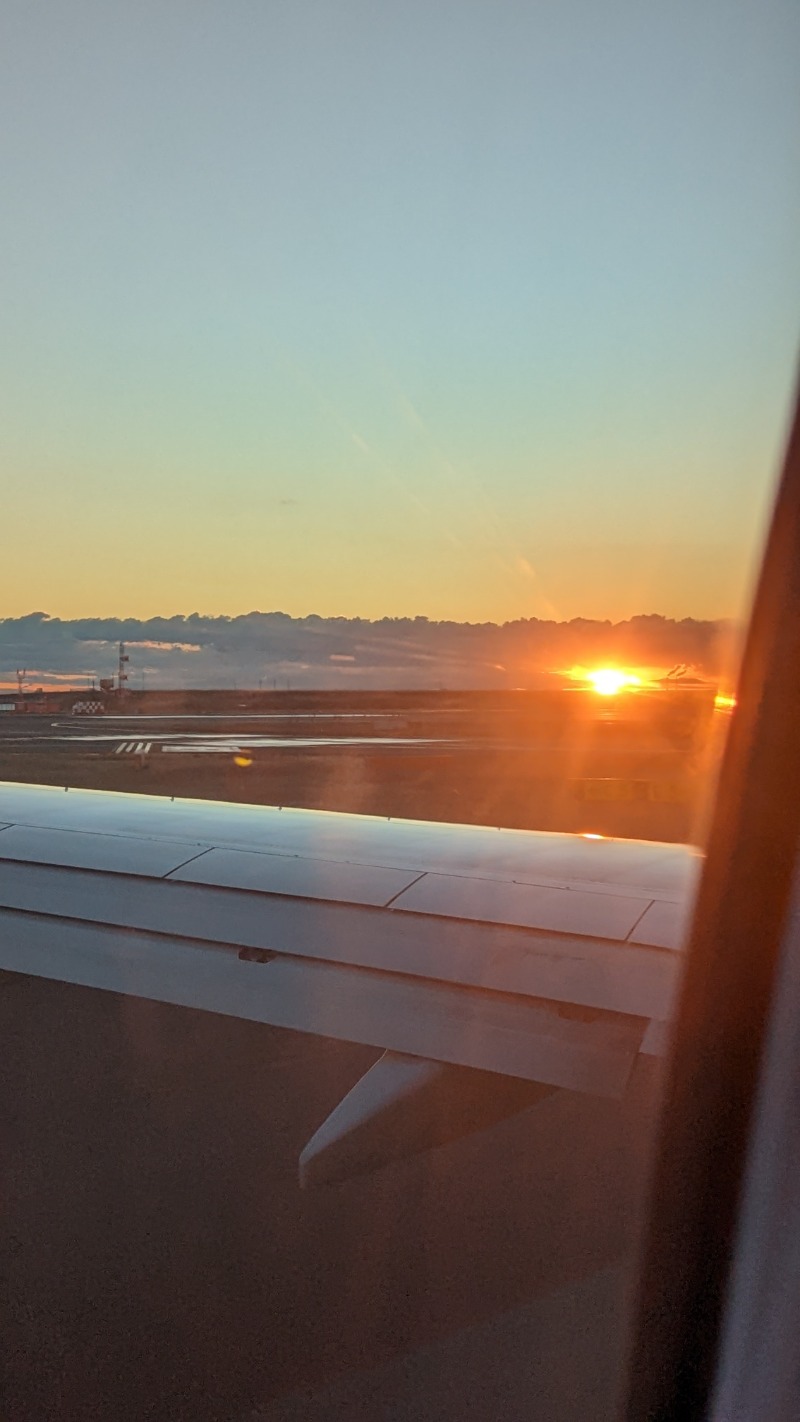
column 605, row 681
column 608, row 681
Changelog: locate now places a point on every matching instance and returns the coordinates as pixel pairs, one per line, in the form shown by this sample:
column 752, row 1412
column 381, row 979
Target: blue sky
column 475, row 310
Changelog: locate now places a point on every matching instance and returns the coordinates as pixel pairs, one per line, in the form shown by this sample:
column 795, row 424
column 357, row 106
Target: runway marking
column 134, row 748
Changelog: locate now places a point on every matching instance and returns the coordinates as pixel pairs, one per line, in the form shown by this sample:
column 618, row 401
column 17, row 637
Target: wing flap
column 609, row 976
column 519, row 1037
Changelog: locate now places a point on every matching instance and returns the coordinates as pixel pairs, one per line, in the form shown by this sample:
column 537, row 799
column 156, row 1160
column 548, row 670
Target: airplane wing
column 467, row 954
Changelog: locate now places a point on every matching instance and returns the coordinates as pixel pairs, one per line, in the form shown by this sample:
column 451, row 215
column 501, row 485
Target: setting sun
column 607, row 681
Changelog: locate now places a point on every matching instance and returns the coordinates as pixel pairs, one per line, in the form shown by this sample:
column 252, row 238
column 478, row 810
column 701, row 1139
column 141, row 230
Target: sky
column 472, row 309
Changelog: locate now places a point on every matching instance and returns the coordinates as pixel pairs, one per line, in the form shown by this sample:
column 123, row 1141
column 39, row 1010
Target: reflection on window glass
column 393, row 397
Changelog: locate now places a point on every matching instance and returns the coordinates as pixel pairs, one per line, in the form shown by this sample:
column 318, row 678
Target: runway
column 601, row 777
column 229, row 733
column 256, row 731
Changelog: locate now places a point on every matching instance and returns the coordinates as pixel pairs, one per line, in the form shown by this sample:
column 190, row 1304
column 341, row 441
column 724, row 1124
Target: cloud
column 266, row 648
column 164, row 646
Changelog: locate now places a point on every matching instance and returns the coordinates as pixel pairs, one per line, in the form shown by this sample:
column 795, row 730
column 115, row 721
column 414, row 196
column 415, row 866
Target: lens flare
column 608, row 681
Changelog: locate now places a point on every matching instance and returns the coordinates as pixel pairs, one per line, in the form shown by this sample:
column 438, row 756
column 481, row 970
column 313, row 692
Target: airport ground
column 160, row 1261
column 579, row 764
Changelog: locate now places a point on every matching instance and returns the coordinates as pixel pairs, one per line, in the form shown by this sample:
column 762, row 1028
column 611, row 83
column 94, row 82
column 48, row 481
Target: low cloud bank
column 272, row 649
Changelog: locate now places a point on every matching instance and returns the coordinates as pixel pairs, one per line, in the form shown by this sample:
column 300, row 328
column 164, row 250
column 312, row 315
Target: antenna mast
column 122, row 675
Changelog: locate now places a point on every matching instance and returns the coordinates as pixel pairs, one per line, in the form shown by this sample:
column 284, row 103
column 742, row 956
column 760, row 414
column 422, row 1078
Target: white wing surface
column 549, row 958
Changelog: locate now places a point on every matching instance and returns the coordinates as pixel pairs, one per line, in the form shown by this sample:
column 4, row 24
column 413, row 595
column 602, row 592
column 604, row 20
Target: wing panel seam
column 404, row 889
column 192, row 857
column 645, row 910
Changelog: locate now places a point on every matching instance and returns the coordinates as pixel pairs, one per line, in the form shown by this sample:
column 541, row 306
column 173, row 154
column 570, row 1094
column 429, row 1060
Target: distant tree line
column 199, row 649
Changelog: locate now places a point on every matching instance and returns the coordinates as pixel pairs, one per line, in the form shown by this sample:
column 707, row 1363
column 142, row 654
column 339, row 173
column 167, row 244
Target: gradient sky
column 471, row 308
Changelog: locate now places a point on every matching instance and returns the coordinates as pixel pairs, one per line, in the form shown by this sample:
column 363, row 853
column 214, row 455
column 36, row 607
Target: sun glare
column 605, row 681
column 608, row 681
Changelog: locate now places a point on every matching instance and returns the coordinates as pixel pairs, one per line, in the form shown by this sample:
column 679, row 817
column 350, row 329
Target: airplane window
column 393, row 399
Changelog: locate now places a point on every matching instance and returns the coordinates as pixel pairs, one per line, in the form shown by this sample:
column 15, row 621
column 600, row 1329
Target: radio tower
column 122, row 675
